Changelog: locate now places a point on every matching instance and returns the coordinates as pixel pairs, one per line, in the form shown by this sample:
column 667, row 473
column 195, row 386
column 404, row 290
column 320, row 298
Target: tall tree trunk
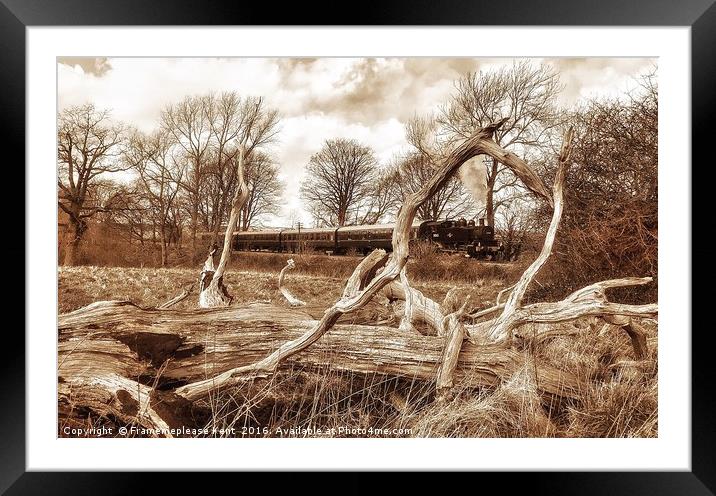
column 194, row 221
column 215, row 232
column 164, row 247
column 244, row 222
column 489, row 201
column 73, row 237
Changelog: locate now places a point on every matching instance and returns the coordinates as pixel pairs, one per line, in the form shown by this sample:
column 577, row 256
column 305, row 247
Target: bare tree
column 383, row 200
column 129, row 209
column 515, row 225
column 160, row 176
column 294, row 217
column 87, row 147
column 237, row 121
column 338, row 180
column 523, row 92
column 410, row 173
column 188, row 124
column 264, row 187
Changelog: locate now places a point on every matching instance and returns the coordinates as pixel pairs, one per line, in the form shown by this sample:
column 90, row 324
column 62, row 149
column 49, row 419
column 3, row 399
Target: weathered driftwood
column 590, row 301
column 454, row 335
column 479, row 143
column 215, row 294
column 122, row 360
column 207, row 272
column 364, row 272
column 292, row 300
column 203, row 352
column 501, row 327
column 420, row 309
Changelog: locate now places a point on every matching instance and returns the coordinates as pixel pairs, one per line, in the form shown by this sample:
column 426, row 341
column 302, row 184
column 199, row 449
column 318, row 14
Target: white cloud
column 363, row 99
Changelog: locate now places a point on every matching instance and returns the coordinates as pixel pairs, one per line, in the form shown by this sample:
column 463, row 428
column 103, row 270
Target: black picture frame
column 700, row 15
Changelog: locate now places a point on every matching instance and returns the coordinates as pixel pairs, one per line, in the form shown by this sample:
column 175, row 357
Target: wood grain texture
column 191, row 346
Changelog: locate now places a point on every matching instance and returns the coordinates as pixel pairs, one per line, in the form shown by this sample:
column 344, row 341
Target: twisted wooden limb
column 502, row 293
column 215, row 293
column 479, row 143
column 486, row 311
column 501, row 328
column 422, row 308
column 207, row 271
column 406, row 322
column 365, row 271
column 588, row 301
column 292, row 300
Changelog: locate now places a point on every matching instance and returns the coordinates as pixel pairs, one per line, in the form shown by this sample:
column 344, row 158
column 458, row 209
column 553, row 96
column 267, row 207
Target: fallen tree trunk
column 480, row 142
column 114, row 355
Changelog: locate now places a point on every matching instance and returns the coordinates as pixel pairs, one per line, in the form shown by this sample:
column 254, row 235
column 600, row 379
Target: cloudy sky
column 365, row 99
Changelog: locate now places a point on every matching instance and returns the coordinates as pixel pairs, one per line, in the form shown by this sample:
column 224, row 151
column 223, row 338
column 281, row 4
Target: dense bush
column 610, row 224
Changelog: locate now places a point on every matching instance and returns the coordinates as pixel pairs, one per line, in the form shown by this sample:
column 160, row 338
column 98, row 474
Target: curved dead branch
column 585, row 302
column 479, row 143
column 422, row 309
column 454, row 335
column 590, row 301
column 292, row 300
column 365, row 271
column 501, row 328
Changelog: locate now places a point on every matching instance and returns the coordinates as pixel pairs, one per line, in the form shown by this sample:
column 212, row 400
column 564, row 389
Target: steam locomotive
column 457, row 236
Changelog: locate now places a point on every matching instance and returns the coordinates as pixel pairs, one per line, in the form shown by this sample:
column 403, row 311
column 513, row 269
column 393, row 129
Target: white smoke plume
column 473, row 175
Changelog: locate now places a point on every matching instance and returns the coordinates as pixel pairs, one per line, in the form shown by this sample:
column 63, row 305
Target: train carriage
column 456, row 236
column 294, row 240
column 367, row 238
column 257, row 240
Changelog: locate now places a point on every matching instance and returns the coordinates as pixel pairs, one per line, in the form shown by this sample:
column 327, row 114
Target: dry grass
column 620, row 399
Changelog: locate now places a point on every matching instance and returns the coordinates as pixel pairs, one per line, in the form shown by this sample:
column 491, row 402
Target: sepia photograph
column 357, row 247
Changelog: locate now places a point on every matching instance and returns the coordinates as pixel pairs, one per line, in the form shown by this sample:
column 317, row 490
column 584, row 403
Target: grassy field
column 619, row 401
